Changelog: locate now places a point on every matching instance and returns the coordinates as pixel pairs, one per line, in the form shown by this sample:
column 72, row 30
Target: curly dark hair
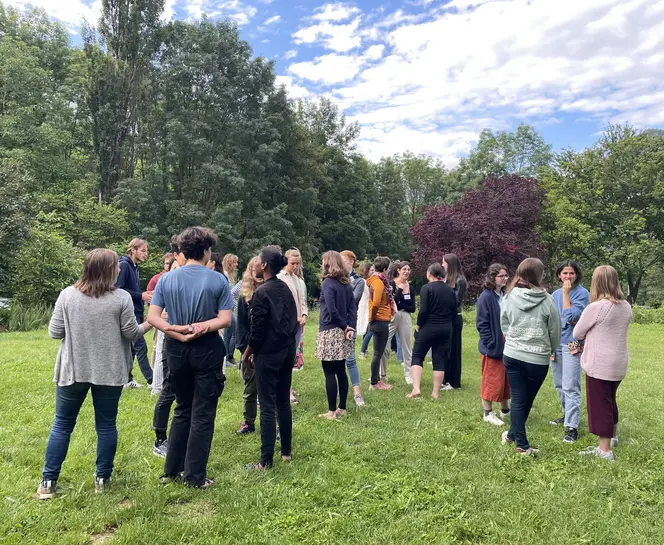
column 490, row 275
column 272, row 256
column 194, row 241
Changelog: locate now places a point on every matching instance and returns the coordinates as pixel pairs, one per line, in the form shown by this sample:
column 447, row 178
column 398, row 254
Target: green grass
column 398, row 471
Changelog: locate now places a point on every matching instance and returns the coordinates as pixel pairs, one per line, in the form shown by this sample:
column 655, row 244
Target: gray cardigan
column 96, row 335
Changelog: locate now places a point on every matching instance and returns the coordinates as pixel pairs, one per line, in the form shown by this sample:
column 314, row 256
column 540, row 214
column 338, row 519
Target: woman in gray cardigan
column 96, row 324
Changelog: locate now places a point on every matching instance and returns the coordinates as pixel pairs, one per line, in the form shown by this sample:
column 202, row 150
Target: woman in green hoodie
column 531, row 324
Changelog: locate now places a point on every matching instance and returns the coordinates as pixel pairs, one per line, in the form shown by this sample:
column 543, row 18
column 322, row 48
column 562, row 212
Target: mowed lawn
column 397, row 471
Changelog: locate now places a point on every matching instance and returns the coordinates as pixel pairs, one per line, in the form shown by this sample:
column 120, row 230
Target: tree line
column 150, row 127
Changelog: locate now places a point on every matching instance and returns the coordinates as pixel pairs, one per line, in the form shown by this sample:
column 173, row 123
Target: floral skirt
column 332, row 345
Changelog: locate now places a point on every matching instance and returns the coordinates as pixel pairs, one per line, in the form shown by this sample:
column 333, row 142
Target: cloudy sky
column 429, row 75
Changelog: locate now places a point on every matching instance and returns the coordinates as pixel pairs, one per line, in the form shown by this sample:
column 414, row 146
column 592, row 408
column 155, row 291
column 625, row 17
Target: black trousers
column 434, row 337
column 197, row 381
column 525, row 381
column 453, row 366
column 162, row 409
column 273, row 380
column 335, row 371
column 381, row 332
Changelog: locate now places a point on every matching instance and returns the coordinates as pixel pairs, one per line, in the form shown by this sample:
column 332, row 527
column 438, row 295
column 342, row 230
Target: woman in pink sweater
column 604, row 325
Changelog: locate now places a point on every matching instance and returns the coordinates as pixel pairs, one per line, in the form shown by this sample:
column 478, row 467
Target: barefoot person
column 494, row 386
column 438, row 307
column 250, row 282
column 199, row 303
column 603, row 325
column 531, row 324
column 571, row 299
column 97, row 324
column 273, row 319
column 336, row 330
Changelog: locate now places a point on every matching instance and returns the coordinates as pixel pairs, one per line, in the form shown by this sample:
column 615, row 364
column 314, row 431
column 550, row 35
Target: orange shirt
column 379, row 306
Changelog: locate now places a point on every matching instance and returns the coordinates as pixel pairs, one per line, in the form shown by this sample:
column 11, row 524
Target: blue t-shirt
column 192, row 294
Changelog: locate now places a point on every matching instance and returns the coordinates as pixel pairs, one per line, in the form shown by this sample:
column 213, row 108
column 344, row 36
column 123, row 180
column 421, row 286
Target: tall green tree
column 605, row 205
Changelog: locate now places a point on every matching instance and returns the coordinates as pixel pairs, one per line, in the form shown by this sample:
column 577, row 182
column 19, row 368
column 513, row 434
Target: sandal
column 294, row 399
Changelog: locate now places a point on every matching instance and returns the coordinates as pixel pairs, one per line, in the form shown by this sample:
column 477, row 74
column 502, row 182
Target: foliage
column 605, row 205
column 22, row 317
column 494, row 223
column 645, row 315
column 45, row 264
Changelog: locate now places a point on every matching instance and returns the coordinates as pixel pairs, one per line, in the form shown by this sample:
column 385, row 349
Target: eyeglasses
column 502, row 276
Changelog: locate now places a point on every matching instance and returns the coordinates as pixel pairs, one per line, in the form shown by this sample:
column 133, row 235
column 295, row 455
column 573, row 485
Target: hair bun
column 284, row 261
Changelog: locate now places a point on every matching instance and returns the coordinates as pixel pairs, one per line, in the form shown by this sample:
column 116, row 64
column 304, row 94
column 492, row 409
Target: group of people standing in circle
column 523, row 330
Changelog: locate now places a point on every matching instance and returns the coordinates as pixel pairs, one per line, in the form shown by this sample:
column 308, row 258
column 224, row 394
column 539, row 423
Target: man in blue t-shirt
column 199, row 303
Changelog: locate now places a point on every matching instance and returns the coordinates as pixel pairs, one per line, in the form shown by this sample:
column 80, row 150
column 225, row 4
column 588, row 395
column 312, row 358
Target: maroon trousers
column 601, row 405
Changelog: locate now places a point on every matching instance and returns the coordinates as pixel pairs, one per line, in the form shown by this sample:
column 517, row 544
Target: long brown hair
column 529, row 274
column 99, row 274
column 454, row 270
column 490, row 276
column 225, row 263
column 333, row 267
column 605, row 285
column 249, row 284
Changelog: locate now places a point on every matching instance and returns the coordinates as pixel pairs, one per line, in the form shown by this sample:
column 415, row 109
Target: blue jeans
column 566, row 371
column 229, row 337
column 139, row 349
column 351, row 364
column 68, row 401
column 365, row 341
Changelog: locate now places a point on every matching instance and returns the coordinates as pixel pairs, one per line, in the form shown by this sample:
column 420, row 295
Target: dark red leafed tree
column 493, row 223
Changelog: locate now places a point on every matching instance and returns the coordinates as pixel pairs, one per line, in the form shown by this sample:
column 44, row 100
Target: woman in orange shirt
column 381, row 310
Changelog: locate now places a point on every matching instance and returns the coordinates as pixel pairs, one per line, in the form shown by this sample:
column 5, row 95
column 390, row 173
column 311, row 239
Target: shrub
column 44, row 265
column 21, row 317
column 645, row 315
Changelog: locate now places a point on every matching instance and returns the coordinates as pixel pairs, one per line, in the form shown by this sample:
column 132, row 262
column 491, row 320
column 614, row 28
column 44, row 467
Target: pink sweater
column 604, row 326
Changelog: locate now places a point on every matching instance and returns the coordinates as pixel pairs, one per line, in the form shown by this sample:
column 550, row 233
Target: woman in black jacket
column 454, row 279
column 402, row 323
column 494, row 387
column 438, row 307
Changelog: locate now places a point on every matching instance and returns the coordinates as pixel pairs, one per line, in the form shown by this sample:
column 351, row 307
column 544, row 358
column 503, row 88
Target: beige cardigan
column 299, row 291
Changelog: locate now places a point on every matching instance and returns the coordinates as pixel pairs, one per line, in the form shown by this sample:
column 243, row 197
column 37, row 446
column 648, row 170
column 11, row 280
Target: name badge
column 407, row 296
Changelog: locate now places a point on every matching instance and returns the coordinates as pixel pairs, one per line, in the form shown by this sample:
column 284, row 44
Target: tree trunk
column 633, row 284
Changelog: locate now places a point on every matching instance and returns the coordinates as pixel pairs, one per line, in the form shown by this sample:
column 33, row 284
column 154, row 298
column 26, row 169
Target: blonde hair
column 225, row 264
column 333, row 267
column 249, row 285
column 135, row 244
column 294, row 252
column 100, row 271
column 605, row 285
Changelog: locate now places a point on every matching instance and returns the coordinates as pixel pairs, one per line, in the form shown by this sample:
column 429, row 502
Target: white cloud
column 169, row 10
column 335, row 12
column 328, row 69
column 291, row 54
column 72, row 12
column 340, row 38
column 294, row 91
column 272, row 20
column 477, row 64
column 236, row 10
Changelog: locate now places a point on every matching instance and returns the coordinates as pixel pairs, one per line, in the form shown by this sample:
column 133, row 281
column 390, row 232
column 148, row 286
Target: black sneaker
column 160, row 448
column 571, row 435
column 46, row 489
column 558, row 421
column 101, row 484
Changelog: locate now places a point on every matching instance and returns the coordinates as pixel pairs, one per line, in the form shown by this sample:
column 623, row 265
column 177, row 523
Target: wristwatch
column 191, row 328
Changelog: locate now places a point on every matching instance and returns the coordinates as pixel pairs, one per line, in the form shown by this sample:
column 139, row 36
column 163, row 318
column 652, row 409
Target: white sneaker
column 492, row 418
column 447, row 387
column 363, row 355
column 409, row 379
column 132, row 384
column 595, row 451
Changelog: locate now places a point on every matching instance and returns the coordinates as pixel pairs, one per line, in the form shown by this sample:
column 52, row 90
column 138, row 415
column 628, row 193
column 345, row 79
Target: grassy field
column 398, row 471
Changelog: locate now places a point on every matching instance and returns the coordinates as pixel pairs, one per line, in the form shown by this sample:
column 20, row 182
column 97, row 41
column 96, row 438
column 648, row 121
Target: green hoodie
column 530, row 322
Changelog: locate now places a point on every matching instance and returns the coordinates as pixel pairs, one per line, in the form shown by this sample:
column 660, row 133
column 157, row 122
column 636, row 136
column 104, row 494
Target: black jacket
column 402, row 303
column 273, row 317
column 243, row 324
column 129, row 281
